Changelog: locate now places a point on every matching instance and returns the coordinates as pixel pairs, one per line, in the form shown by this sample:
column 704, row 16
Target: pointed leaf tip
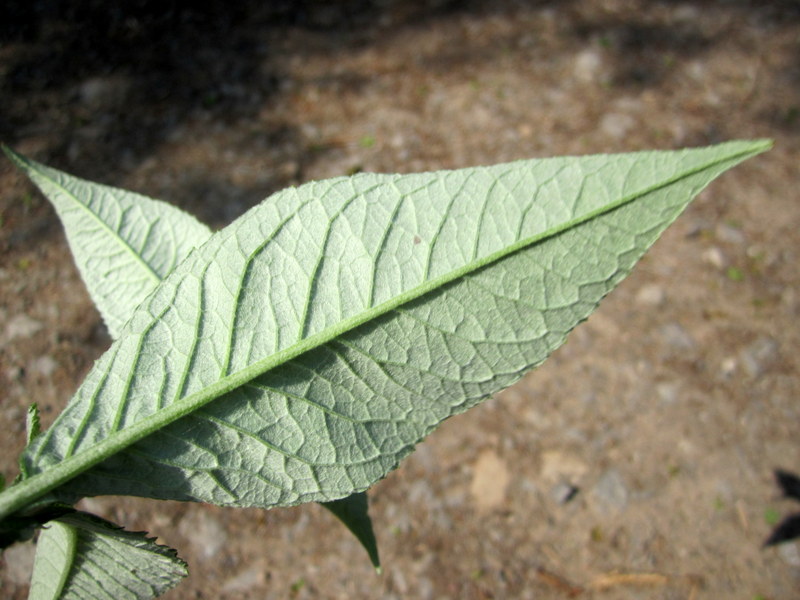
column 123, row 243
column 32, row 423
column 353, row 512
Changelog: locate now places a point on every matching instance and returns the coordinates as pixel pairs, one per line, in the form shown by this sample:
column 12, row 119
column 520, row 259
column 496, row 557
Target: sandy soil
column 637, row 463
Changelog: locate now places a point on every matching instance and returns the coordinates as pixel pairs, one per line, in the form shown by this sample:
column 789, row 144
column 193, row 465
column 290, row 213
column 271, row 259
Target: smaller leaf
column 124, row 243
column 83, row 557
column 353, row 511
column 33, row 428
column 32, row 424
column 86, row 237
column 55, row 552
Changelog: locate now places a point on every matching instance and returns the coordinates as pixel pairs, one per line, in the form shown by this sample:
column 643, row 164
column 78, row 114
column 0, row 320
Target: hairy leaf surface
column 82, row 557
column 304, row 350
column 123, row 243
column 99, row 226
column 55, row 553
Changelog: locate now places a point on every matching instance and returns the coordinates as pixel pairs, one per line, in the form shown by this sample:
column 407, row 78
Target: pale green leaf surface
column 123, row 243
column 55, row 553
column 82, row 557
column 304, row 350
column 84, row 240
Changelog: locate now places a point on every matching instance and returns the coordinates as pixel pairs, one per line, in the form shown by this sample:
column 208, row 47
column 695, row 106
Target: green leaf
column 55, row 554
column 84, row 240
column 32, row 429
column 299, row 354
column 32, row 424
column 353, row 511
column 82, row 557
column 123, row 243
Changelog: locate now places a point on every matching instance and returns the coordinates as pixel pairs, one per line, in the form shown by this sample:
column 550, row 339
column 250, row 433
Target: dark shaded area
column 646, row 52
column 152, row 63
column 789, row 484
column 170, row 58
column 786, row 531
column 107, row 83
column 789, row 528
column 102, row 85
column 135, row 69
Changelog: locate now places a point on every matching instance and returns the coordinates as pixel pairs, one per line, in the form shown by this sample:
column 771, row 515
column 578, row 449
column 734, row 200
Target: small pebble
column 617, row 125
column 610, row 494
column 43, row 366
column 714, row 257
column 676, row 336
column 728, row 367
column 668, row 392
column 246, row 580
column 686, row 13
column 729, row 234
column 790, row 554
column 204, row 532
column 563, row 492
column 558, row 466
column 490, row 479
column 759, row 356
column 651, row 295
column 22, row 326
column 103, row 92
column 588, row 66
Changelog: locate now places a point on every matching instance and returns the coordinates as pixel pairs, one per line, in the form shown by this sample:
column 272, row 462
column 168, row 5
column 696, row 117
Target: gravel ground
column 637, row 462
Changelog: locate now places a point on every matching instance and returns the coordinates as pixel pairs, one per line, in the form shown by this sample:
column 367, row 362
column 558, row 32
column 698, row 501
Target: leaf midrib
column 35, row 486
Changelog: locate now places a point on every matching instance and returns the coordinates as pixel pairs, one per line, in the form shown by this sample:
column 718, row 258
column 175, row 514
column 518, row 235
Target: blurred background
column 638, row 462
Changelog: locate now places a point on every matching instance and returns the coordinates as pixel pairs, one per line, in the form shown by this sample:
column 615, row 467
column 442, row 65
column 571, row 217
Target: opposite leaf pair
column 300, row 353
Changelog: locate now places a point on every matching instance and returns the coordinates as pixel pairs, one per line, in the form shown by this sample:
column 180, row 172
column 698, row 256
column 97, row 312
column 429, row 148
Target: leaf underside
column 125, row 244
column 82, row 557
column 299, row 354
column 55, row 554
